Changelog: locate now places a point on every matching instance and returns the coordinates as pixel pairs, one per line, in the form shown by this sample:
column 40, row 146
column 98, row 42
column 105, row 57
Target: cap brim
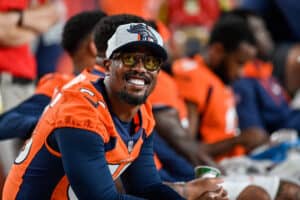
column 156, row 49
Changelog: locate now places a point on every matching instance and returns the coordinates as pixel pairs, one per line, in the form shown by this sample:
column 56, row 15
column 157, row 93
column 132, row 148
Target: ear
column 217, row 53
column 107, row 64
column 218, row 48
column 92, row 48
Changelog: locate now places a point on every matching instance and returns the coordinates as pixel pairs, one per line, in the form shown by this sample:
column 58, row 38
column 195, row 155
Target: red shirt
column 19, row 60
column 197, row 12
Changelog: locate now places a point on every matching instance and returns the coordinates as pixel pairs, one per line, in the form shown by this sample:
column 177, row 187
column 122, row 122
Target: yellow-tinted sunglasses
column 151, row 63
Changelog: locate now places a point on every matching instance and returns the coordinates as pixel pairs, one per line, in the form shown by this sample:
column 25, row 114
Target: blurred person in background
column 209, row 99
column 284, row 13
column 77, row 40
column 174, row 146
column 287, row 68
column 20, row 25
column 258, row 92
column 191, row 19
column 64, row 63
column 211, row 103
column 170, row 123
column 292, row 72
column 147, row 9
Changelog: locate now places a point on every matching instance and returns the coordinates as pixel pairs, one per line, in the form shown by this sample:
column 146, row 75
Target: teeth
column 136, row 81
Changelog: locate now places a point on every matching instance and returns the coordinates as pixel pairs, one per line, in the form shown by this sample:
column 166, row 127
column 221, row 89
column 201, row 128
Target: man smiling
column 94, row 131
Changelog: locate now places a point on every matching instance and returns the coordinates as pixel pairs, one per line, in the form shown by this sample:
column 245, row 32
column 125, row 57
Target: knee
column 254, row 192
column 288, row 191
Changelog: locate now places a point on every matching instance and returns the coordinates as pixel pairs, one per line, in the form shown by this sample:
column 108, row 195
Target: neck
column 81, row 62
column 124, row 111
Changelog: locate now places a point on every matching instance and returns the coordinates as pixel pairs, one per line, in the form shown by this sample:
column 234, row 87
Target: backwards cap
column 133, row 35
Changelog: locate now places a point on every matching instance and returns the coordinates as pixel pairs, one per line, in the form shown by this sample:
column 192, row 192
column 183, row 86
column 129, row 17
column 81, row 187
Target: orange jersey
column 215, row 101
column 78, row 105
column 147, row 9
column 165, row 94
column 257, row 69
column 263, row 71
column 51, row 82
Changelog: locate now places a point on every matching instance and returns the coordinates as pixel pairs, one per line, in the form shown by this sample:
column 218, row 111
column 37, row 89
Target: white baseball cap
column 136, row 34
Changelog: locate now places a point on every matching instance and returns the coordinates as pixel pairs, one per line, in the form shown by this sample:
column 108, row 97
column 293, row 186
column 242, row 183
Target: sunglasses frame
column 136, row 60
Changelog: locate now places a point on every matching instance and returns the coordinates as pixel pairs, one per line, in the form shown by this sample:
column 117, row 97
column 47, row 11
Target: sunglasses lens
column 151, row 63
column 128, row 59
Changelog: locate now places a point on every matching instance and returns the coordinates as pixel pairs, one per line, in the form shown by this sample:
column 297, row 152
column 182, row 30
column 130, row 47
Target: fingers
column 210, row 184
column 209, row 187
column 219, row 194
column 210, row 180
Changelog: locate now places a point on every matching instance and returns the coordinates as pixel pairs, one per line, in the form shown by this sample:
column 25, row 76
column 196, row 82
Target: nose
column 140, row 66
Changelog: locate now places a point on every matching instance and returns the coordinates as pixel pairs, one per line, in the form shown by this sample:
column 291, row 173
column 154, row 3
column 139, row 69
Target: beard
column 131, row 99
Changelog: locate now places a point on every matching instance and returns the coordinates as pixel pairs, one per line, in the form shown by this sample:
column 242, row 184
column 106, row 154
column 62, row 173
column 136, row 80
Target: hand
column 206, row 187
column 252, row 138
column 219, row 194
column 60, row 9
column 207, row 159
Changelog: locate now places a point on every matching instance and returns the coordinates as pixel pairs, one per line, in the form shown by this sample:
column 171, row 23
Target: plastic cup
column 203, row 171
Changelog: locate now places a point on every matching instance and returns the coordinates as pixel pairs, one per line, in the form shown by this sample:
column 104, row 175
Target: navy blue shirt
column 285, row 13
column 263, row 104
column 21, row 120
column 83, row 155
column 84, row 163
column 174, row 166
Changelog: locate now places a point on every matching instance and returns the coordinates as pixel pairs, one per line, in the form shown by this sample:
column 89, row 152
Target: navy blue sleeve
column 85, row 164
column 174, row 165
column 21, row 120
column 142, row 179
column 247, row 105
column 256, row 5
column 294, row 121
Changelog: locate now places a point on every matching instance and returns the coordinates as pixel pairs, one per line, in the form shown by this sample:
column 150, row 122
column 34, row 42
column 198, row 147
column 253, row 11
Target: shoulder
column 50, row 82
column 245, row 84
column 193, row 71
column 80, row 106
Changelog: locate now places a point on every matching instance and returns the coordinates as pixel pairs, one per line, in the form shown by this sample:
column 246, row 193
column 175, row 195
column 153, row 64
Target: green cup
column 203, row 171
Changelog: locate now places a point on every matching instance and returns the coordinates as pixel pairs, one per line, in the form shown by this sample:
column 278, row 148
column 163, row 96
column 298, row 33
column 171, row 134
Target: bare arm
column 16, row 36
column 9, row 19
column 193, row 117
column 250, row 139
column 33, row 22
column 169, row 127
column 200, row 189
column 221, row 147
column 253, row 137
column 41, row 18
column 10, row 33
